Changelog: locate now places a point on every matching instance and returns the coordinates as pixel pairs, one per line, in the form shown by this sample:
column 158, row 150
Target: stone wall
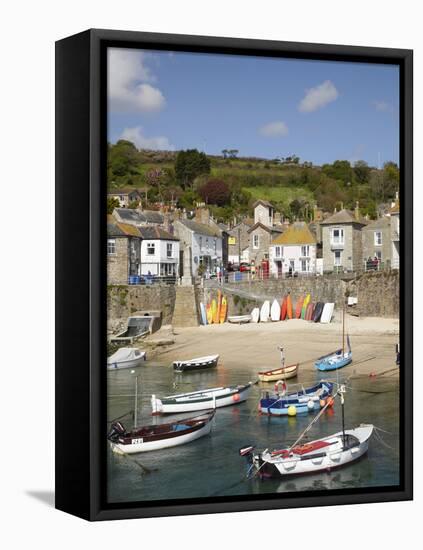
column 117, row 264
column 124, row 300
column 377, row 293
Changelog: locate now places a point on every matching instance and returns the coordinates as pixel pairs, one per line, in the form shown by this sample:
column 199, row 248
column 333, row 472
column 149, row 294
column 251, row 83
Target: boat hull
column 222, row 399
column 316, row 462
column 333, row 362
column 239, row 319
column 278, row 374
column 304, row 402
column 183, row 366
column 130, row 364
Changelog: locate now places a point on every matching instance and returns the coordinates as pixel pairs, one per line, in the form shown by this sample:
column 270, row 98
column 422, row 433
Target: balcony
column 334, row 245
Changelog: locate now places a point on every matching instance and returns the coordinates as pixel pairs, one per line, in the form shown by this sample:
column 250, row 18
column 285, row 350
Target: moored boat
column 339, row 358
column 199, row 400
column 239, row 319
column 126, row 358
column 282, row 373
column 198, row 363
column 159, row 436
column 302, row 401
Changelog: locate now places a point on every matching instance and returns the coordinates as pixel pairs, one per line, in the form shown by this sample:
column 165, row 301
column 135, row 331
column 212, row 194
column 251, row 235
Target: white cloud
column 130, row 83
column 274, row 129
column 382, row 106
column 318, row 97
column 141, row 141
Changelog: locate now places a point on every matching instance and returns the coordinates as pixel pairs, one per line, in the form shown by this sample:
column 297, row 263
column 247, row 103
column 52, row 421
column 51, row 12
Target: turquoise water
column 211, row 466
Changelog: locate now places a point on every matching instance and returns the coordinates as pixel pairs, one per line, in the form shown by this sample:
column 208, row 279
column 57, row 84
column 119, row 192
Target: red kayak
column 299, row 307
column 284, row 308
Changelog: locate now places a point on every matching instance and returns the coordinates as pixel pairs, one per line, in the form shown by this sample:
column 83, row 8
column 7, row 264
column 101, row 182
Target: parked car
column 244, row 267
column 232, row 267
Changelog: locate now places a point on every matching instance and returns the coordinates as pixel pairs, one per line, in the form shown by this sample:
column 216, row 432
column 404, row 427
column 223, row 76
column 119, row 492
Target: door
column 181, row 263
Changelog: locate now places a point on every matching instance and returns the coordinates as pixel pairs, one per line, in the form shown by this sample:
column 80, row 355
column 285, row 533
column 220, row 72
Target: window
column 215, row 246
column 337, row 258
column 169, row 250
column 305, row 265
column 378, row 255
column 305, row 251
column 256, row 241
column 378, row 238
column 337, row 236
column 111, row 247
column 201, row 243
column 278, row 251
column 151, row 249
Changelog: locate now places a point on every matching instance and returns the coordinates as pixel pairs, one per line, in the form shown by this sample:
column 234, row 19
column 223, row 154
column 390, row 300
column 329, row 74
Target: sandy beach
column 255, row 345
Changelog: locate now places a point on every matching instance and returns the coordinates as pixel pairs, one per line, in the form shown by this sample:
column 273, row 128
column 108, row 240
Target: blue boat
column 304, row 400
column 339, row 358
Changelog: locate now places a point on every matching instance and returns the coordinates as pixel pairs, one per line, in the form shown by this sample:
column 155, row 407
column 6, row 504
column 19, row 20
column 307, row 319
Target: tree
column 112, row 203
column 224, row 153
column 189, row 164
column 123, row 159
column 340, row 170
column 361, row 171
column 215, row 191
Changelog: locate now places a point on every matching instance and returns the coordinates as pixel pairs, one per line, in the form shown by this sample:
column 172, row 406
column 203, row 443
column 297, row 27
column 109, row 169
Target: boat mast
column 343, row 329
column 136, row 403
column 341, row 393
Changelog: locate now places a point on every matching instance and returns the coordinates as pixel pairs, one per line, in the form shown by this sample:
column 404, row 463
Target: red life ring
column 236, row 397
column 280, row 383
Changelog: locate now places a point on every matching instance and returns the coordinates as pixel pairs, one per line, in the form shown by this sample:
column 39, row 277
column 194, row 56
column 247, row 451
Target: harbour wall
column 377, row 295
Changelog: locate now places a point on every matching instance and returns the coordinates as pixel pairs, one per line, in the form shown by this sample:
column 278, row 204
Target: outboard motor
column 116, row 430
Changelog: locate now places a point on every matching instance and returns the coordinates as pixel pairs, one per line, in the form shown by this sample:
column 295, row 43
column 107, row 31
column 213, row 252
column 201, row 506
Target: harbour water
column 211, row 466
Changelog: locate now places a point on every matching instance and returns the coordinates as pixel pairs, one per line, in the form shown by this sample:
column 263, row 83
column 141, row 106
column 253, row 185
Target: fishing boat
column 126, row 358
column 281, row 373
column 239, row 319
column 320, row 455
column 199, row 400
column 301, row 401
column 159, row 436
column 198, row 363
column 339, row 358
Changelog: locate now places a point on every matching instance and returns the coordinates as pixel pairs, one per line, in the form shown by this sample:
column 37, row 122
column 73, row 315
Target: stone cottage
column 262, row 233
column 342, row 241
column 294, row 251
column 159, row 253
column 123, row 252
column 238, row 242
column 377, row 244
column 125, row 196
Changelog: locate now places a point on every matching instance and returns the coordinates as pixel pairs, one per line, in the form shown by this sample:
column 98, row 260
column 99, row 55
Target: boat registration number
column 137, row 441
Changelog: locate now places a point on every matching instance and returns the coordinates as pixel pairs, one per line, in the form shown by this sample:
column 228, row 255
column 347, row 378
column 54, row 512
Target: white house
column 201, row 245
column 159, row 252
column 294, row 251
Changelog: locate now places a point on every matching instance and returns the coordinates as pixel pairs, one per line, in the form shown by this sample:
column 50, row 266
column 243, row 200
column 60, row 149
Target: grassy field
column 279, row 194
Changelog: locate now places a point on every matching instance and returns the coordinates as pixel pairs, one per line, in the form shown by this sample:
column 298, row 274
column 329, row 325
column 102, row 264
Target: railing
column 151, row 279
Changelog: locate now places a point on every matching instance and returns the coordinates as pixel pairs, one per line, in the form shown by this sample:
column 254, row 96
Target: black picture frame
column 81, row 272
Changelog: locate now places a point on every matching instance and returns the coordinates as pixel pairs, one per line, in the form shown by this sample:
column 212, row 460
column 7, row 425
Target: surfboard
column 327, row 313
column 203, row 314
column 299, row 306
column 309, row 312
column 219, row 305
column 275, row 311
column 265, row 312
column 223, row 310
column 209, row 313
column 284, row 308
column 305, row 304
column 214, row 310
column 289, row 312
column 317, row 312
column 255, row 315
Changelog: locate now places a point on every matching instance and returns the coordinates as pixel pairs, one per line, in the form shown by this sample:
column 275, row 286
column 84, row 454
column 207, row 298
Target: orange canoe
column 289, row 307
column 299, row 307
column 284, row 308
column 223, row 310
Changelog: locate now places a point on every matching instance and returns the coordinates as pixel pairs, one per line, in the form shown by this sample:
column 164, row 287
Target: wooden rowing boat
column 282, row 373
column 198, row 363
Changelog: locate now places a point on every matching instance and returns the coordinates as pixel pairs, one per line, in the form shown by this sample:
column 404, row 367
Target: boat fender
column 322, row 403
column 236, row 397
column 310, row 405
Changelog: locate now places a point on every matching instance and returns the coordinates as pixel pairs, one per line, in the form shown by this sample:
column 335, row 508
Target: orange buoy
column 236, row 397
column 330, row 401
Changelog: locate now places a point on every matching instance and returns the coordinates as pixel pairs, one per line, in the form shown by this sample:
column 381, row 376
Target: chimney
column 357, row 211
column 202, row 215
column 277, row 218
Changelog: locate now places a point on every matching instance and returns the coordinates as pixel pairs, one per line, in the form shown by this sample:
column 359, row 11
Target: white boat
column 275, row 311
column 198, row 363
column 159, row 436
column 327, row 313
column 265, row 312
column 239, row 319
column 316, row 456
column 200, row 400
column 255, row 315
column 126, row 358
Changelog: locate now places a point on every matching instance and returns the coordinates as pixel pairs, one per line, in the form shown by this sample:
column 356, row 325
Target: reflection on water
column 211, row 465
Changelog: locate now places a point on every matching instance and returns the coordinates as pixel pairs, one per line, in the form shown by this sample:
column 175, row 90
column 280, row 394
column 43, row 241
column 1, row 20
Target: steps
column 185, row 312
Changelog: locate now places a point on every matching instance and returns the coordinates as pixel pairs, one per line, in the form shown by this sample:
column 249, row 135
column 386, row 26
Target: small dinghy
column 327, row 313
column 239, row 319
column 126, row 358
column 282, row 373
column 275, row 311
column 198, row 363
column 199, row 400
column 320, row 455
column 265, row 312
column 255, row 315
column 159, row 436
column 301, row 401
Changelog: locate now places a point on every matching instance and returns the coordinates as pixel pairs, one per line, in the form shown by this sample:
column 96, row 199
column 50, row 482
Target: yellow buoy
column 292, row 410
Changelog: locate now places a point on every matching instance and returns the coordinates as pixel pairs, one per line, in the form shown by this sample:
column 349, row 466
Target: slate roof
column 154, row 233
column 343, row 216
column 380, row 223
column 273, row 229
column 118, row 229
column 297, row 233
column 264, row 203
column 200, row 228
column 136, row 216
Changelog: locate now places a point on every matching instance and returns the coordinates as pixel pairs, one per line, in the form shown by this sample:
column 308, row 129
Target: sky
column 320, row 111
